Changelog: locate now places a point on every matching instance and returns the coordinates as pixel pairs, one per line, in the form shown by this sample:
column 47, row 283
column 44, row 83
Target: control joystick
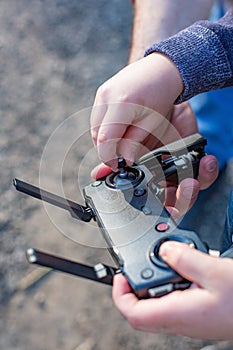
column 123, row 173
column 126, row 177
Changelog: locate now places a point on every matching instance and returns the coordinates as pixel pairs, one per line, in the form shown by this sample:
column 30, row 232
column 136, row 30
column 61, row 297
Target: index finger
column 97, row 115
column 114, row 121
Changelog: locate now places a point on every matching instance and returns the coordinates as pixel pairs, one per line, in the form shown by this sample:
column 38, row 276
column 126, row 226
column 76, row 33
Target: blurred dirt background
column 53, row 56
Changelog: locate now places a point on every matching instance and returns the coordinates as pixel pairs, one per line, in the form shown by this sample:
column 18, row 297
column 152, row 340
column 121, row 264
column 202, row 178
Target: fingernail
column 211, row 166
column 130, row 160
column 166, row 249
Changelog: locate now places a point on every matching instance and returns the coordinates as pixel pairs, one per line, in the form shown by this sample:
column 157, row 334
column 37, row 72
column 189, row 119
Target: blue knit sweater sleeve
column 203, row 54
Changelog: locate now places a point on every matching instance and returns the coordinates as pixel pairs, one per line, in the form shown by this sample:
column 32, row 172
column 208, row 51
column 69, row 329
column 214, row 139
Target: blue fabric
column 214, row 112
column 227, row 238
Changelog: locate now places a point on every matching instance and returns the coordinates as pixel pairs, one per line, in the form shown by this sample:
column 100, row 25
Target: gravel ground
column 54, row 54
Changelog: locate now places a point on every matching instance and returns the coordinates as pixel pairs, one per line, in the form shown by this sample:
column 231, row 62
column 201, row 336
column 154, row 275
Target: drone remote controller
column 128, row 207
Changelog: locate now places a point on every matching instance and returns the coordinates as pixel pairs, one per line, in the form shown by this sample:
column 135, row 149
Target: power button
column 162, row 227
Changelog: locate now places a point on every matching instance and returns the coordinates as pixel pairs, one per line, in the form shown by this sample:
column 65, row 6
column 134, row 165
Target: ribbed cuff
column 200, row 58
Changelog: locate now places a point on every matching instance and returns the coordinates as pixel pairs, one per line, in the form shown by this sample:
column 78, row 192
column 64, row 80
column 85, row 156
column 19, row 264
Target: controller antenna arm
column 76, row 210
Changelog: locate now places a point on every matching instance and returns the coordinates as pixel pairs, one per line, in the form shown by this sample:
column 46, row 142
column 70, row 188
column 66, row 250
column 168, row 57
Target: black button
column 147, row 273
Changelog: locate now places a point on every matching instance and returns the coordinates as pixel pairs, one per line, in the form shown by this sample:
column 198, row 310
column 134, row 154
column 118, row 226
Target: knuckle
column 107, row 91
column 103, row 92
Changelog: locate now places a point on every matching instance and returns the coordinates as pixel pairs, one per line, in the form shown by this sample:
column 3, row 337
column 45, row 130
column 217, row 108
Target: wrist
column 168, row 82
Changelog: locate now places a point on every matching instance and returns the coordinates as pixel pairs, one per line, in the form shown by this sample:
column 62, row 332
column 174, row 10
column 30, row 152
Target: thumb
column 188, row 262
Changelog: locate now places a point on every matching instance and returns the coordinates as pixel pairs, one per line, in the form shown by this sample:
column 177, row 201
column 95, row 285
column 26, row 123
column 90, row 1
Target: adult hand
column 203, row 311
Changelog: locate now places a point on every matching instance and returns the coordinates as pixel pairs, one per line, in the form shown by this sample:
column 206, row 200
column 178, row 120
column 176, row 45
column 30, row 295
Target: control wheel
column 154, row 251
